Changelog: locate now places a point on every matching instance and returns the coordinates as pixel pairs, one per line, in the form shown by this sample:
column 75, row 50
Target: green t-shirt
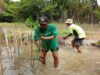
column 50, row 31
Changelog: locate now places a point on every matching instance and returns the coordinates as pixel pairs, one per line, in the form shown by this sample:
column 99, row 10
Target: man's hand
column 43, row 38
column 37, row 43
column 65, row 38
column 47, row 38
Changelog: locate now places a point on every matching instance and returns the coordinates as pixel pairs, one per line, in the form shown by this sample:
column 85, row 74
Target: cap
column 43, row 19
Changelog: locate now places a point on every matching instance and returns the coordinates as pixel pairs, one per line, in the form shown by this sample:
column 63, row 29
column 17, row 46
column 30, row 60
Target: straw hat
column 69, row 21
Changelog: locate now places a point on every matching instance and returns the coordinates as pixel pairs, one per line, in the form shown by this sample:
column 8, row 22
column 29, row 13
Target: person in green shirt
column 45, row 38
column 77, row 32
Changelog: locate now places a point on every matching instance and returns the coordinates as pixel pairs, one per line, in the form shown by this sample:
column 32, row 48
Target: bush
column 5, row 17
column 30, row 23
column 98, row 43
column 97, row 13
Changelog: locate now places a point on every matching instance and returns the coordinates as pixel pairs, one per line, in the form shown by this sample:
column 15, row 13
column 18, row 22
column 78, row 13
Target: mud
column 71, row 63
column 23, row 59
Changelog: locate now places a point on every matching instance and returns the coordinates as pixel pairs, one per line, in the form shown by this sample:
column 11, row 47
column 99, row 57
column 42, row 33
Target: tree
column 2, row 4
column 79, row 10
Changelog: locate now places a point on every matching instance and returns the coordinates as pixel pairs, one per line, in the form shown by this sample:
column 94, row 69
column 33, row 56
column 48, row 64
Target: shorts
column 52, row 50
column 78, row 41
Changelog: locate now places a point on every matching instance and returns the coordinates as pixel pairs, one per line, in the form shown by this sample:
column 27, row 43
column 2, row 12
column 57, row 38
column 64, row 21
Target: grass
column 15, row 27
column 98, row 43
column 90, row 29
column 16, row 30
column 86, row 27
column 19, row 28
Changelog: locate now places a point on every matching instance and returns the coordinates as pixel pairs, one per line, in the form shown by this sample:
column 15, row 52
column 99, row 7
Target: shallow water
column 71, row 63
column 18, row 61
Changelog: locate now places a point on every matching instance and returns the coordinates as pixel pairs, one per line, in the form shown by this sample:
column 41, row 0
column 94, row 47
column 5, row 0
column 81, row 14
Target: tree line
column 83, row 11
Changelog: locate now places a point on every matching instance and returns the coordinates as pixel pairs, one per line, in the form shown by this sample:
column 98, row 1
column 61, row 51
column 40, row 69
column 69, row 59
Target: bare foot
column 56, row 64
column 79, row 51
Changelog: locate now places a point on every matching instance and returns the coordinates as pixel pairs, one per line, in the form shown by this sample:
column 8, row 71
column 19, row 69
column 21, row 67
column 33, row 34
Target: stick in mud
column 6, row 40
column 32, row 61
column 10, row 51
column 19, row 63
column 8, row 44
column 1, row 66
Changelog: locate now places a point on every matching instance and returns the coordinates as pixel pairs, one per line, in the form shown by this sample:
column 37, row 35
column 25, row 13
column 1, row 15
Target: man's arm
column 54, row 34
column 47, row 38
column 70, row 33
column 50, row 38
column 37, row 43
column 67, row 36
column 37, row 38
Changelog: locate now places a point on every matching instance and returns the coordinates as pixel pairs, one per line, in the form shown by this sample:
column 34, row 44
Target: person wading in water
column 77, row 32
column 47, row 33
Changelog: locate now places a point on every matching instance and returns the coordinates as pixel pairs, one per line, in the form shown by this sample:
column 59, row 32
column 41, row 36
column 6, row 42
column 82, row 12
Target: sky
column 98, row 2
column 15, row 0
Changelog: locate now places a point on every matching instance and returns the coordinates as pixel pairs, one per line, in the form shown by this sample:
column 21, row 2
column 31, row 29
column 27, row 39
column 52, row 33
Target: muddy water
column 71, row 63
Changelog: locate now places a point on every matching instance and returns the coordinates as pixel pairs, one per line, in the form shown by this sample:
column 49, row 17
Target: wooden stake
column 19, row 63
column 7, row 42
column 32, row 62
column 1, row 66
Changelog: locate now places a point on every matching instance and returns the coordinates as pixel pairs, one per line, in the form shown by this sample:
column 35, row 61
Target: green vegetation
column 97, row 13
column 80, row 11
column 98, row 43
column 30, row 23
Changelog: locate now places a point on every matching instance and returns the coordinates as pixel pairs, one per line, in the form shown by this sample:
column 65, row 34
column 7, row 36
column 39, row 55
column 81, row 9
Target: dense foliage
column 80, row 10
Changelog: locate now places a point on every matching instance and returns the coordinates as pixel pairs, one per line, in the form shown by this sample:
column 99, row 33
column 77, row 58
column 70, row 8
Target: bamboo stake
column 10, row 51
column 32, row 62
column 21, row 46
column 15, row 52
column 1, row 65
column 7, row 42
column 19, row 63
column 17, row 55
column 6, row 38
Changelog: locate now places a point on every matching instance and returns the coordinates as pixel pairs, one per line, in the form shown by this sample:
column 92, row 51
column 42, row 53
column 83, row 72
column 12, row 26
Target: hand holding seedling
column 47, row 38
column 65, row 37
column 43, row 38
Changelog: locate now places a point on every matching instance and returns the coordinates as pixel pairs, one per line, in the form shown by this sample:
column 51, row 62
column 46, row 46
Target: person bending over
column 77, row 32
column 46, row 37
